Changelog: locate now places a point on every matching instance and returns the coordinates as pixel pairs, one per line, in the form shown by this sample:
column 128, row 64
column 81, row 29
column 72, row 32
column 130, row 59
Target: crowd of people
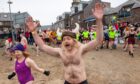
column 124, row 33
column 70, row 45
column 127, row 37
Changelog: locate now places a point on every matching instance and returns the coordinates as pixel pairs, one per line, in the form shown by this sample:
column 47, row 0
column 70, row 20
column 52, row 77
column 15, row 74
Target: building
column 5, row 22
column 20, row 19
column 68, row 19
column 126, row 12
column 89, row 19
column 88, row 10
column 81, row 12
column 109, row 13
column 77, row 12
column 17, row 20
column 129, row 11
column 44, row 27
column 62, row 21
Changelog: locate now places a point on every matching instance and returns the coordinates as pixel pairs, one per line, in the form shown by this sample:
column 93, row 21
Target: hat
column 11, row 49
column 18, row 46
column 68, row 33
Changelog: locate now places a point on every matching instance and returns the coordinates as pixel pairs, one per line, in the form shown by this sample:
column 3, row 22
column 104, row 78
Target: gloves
column 10, row 76
column 47, row 73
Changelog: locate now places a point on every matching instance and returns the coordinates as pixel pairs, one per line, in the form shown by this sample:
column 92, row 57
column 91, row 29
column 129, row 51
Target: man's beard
column 67, row 46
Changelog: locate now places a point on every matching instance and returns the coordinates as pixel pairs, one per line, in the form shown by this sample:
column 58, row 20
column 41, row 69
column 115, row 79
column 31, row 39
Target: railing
column 124, row 14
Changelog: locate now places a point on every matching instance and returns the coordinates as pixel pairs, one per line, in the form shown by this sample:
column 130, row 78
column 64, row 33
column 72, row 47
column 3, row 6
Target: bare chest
column 71, row 58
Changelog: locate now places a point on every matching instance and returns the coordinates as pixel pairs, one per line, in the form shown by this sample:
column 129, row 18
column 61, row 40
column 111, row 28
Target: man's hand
column 98, row 11
column 31, row 25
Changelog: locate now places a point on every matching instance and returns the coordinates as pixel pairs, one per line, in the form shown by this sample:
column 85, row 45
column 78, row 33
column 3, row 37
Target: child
column 23, row 65
column 8, row 44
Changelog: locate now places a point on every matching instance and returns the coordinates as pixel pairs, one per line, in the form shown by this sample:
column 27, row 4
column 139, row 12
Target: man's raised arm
column 98, row 14
column 32, row 28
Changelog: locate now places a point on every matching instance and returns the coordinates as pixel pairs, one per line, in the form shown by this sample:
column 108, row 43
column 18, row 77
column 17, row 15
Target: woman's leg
column 111, row 44
column 126, row 47
column 131, row 49
column 125, row 43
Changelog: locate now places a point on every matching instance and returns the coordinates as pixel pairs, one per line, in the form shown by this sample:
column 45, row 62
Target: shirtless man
column 71, row 51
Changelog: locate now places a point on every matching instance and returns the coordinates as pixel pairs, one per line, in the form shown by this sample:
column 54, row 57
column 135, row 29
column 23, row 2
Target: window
column 63, row 16
column 5, row 16
column 79, row 17
column 128, row 9
column 80, row 6
column 1, row 23
column 72, row 10
column 76, row 0
column 125, row 12
column 76, row 9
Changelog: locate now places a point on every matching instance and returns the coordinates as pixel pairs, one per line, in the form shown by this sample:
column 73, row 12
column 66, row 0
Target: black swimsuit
column 131, row 39
column 84, row 82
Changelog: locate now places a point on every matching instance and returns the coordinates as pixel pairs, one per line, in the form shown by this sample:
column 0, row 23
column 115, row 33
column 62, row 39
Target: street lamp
column 11, row 23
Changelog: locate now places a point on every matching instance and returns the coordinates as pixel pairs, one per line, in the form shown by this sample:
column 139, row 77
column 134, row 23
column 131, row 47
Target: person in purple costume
column 23, row 65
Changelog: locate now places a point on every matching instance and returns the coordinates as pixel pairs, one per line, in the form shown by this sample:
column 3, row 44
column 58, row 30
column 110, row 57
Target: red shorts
column 111, row 39
column 131, row 40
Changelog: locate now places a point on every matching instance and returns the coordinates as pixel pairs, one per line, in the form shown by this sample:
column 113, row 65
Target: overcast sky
column 44, row 10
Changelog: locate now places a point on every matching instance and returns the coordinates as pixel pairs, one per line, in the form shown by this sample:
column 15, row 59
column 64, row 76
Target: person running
column 106, row 38
column 53, row 37
column 93, row 32
column 126, row 33
column 94, row 35
column 138, row 36
column 59, row 35
column 131, row 41
column 86, row 35
column 77, row 32
column 23, row 65
column 27, row 35
column 46, row 37
column 71, row 51
column 111, row 38
column 8, row 44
